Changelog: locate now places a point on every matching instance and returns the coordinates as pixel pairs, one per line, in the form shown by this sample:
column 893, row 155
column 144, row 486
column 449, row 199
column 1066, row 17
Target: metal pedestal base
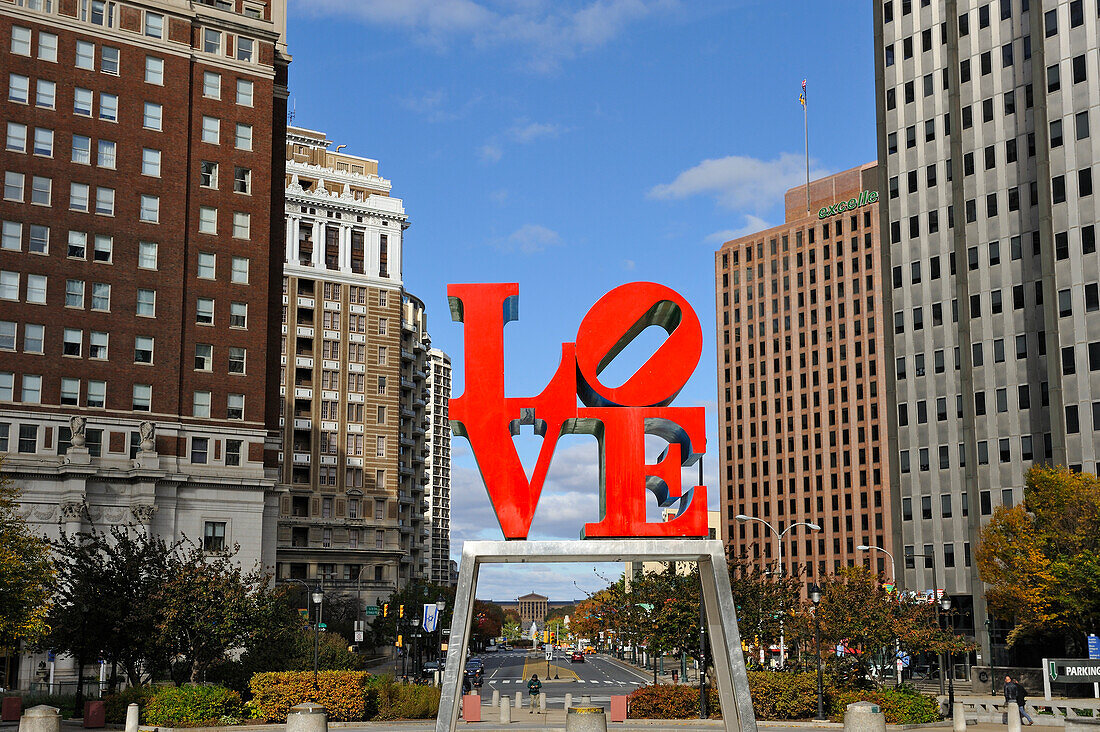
column 725, row 640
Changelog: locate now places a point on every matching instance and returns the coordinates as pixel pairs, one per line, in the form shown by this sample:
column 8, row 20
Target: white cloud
column 547, row 32
column 436, row 105
column 525, row 132
column 739, row 182
column 629, row 265
column 752, row 225
column 490, row 153
column 499, row 196
column 531, row 239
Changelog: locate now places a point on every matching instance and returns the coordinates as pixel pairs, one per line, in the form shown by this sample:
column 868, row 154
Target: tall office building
column 985, row 112
column 801, row 391
column 136, row 265
column 343, row 520
column 412, row 516
column 439, row 465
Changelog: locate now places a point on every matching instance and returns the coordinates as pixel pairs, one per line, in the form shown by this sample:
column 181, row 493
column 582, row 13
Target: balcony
column 303, row 423
column 406, row 383
column 301, row 458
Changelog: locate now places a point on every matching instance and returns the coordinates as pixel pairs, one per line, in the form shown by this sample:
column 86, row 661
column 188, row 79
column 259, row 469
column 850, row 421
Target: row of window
column 80, row 245
column 836, row 227
column 928, row 555
column 1004, row 448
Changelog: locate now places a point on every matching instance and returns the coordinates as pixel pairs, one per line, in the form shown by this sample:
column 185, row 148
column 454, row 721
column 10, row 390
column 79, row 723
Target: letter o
column 614, row 321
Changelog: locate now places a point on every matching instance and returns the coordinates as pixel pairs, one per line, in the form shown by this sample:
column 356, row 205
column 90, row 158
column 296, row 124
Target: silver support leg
column 451, row 694
column 725, row 643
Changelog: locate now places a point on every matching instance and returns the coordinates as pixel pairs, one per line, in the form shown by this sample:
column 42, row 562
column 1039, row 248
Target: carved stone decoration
column 77, row 426
column 148, row 431
column 143, row 513
column 72, row 511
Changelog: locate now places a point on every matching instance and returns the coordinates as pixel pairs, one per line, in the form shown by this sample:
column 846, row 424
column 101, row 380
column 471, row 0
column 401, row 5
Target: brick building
column 141, row 194
column 801, row 393
column 352, row 347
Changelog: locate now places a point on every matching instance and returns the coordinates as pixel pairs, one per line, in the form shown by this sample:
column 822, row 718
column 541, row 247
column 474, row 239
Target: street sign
column 549, row 654
column 358, row 636
column 372, row 610
column 1094, row 646
column 903, row 659
column 322, row 626
column 1073, row 670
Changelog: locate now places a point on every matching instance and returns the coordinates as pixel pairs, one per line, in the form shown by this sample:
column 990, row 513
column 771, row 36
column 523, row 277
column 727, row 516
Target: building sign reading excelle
column 866, row 198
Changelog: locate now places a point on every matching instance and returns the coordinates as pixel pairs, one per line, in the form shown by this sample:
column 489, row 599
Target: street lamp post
column 742, row 518
column 815, row 597
column 318, row 598
column 935, row 589
column 894, row 580
column 945, row 603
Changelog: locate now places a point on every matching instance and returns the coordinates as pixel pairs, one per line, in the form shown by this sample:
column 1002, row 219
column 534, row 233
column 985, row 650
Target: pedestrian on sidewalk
column 534, row 688
column 1021, row 701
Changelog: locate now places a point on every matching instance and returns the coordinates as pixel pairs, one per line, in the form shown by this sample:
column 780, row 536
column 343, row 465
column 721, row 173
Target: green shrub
column 115, row 704
column 900, row 706
column 342, row 693
column 190, row 706
column 65, row 702
column 663, row 701
column 783, row 695
column 405, row 701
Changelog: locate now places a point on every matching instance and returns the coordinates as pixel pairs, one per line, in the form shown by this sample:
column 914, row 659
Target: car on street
column 576, row 657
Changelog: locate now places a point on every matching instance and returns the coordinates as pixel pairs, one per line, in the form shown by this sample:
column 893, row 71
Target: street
column 599, row 676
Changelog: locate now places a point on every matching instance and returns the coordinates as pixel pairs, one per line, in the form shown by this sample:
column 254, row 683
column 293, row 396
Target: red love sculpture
column 619, row 418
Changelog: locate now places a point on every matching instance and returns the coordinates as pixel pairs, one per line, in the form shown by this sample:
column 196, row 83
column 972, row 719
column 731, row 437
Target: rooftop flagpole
column 806, row 129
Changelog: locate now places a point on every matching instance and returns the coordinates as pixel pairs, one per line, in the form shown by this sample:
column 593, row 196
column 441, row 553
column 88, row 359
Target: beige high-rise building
column 350, row 517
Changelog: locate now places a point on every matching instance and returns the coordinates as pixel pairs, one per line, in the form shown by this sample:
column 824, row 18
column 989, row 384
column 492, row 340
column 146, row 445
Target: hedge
column 194, row 706
column 663, row 702
column 404, row 701
column 899, row 706
column 115, row 705
column 342, row 693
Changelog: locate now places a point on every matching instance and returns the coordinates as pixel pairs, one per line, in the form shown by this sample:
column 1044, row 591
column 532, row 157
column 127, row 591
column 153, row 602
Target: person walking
column 534, row 687
column 1009, row 691
column 1021, row 701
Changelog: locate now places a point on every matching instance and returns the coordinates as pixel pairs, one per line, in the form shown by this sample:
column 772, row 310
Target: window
column 20, row 40
column 85, row 55
column 208, row 220
column 9, row 285
column 213, row 539
column 150, row 209
column 242, row 224
column 43, row 142
column 208, row 175
column 11, row 237
column 46, row 94
column 97, row 344
column 244, row 49
column 207, row 261
column 147, row 303
column 41, row 190
column 19, row 88
column 13, row 186
column 154, row 25
column 82, row 102
column 234, row 408
column 211, row 41
column 211, row 130
column 108, row 107
column 78, row 245
column 105, row 154
column 36, row 288
column 239, row 273
column 28, row 433
column 7, row 394
column 143, row 349
column 7, row 335
column 204, row 357
column 236, row 360
column 70, row 391
column 33, row 338
column 147, row 255
column 380, row 450
column 211, row 85
column 150, row 162
column 233, row 452
column 242, row 180
column 238, row 315
column 153, row 116
column 200, row 404
column 154, row 70
column 74, row 293
column 244, row 137
column 32, row 389
column 101, row 296
column 1054, row 82
column 204, row 311
column 1081, row 125
column 105, row 201
column 244, row 92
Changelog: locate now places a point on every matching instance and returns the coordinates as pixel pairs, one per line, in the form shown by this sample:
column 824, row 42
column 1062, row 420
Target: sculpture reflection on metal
column 619, row 417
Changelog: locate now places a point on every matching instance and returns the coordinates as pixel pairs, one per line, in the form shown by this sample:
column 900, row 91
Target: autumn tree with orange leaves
column 1041, row 559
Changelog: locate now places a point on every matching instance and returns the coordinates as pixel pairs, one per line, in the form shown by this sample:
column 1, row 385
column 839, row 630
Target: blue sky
column 572, row 146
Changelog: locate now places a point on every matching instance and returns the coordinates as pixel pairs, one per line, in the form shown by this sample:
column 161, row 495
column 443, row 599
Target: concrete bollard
column 586, row 700
column 133, row 715
column 519, row 700
column 958, row 718
column 864, row 717
column 586, row 719
column 496, row 698
column 505, row 711
column 41, row 719
column 542, row 702
column 568, row 700
column 1014, row 722
column 308, row 717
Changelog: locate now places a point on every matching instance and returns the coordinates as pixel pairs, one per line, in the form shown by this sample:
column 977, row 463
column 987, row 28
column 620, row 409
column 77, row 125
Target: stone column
column 345, row 248
column 318, row 244
column 292, row 239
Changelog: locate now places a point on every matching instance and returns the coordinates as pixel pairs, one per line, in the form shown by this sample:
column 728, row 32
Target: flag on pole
column 802, row 96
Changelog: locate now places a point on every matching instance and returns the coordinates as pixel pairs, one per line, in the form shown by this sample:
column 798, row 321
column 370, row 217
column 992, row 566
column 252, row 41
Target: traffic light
column 553, row 638
column 400, row 641
column 545, row 637
column 401, row 611
column 386, row 610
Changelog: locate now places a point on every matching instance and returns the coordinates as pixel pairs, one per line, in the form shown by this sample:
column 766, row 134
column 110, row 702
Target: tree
column 384, row 629
column 25, row 574
column 1041, row 559
column 762, row 598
